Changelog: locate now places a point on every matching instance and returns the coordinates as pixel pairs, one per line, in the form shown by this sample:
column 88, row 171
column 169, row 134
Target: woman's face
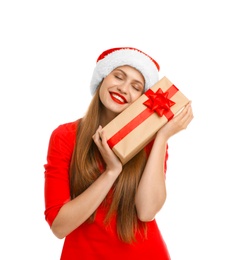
column 120, row 89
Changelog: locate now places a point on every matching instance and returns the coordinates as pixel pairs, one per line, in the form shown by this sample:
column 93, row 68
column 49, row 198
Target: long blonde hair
column 85, row 169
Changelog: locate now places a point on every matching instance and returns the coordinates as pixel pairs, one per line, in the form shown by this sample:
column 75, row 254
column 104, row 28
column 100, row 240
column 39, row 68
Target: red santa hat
column 116, row 57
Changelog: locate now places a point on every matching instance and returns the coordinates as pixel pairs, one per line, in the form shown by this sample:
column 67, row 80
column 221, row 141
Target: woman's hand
column 112, row 161
column 178, row 123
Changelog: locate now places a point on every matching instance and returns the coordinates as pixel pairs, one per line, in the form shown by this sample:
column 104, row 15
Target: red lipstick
column 118, row 98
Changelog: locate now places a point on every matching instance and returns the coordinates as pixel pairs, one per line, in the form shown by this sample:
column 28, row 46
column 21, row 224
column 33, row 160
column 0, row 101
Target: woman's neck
column 106, row 117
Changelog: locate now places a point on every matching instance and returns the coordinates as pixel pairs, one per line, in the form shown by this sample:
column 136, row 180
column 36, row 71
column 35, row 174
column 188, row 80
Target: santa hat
column 116, row 57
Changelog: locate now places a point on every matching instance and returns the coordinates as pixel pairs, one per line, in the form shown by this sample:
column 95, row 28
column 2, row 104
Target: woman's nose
column 123, row 88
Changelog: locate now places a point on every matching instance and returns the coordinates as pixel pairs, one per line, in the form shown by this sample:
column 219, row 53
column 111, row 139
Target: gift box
column 137, row 125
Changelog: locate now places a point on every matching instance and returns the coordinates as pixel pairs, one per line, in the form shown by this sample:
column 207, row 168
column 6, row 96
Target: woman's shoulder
column 66, row 132
column 65, row 128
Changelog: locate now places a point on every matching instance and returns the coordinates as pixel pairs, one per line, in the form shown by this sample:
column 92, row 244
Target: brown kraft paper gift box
column 137, row 125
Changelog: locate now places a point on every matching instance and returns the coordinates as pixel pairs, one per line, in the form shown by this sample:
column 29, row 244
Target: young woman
column 103, row 209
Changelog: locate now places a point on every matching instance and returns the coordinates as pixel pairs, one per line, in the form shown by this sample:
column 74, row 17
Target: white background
column 48, row 50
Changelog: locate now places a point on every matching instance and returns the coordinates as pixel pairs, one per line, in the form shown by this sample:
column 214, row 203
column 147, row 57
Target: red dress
column 91, row 241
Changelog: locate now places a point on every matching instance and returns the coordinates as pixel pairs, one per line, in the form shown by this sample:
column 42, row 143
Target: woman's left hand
column 177, row 123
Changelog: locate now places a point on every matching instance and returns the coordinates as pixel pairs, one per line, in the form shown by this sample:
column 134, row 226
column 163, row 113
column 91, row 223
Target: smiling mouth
column 118, row 98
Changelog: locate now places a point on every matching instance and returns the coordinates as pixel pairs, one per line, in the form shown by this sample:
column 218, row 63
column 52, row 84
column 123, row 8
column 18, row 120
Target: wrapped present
column 137, row 125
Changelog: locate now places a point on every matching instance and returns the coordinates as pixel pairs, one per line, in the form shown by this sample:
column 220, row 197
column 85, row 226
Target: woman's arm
column 75, row 212
column 151, row 193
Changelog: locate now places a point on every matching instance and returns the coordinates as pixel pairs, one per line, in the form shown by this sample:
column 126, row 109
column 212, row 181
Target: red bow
column 159, row 102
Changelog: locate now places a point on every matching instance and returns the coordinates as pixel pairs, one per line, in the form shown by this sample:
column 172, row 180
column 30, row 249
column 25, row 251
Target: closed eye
column 137, row 87
column 118, row 77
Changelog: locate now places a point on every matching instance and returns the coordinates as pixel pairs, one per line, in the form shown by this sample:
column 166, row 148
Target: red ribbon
column 158, row 102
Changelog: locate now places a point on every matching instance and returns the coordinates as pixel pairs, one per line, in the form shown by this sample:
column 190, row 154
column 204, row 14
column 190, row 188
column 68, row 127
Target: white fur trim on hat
column 121, row 57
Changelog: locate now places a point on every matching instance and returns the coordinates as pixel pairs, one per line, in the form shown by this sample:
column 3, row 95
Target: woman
column 103, row 209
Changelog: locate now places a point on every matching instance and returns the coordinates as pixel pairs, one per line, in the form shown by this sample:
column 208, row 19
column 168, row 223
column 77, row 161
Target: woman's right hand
column 113, row 163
